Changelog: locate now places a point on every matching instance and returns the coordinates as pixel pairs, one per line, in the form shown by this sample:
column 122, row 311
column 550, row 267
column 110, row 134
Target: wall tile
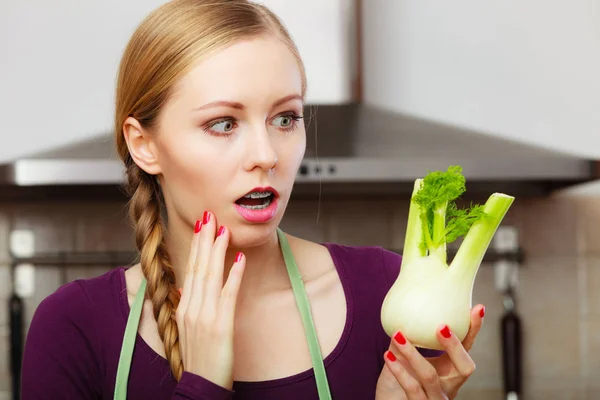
column 52, row 225
column 366, row 223
column 591, row 367
column 5, row 293
column 5, row 281
column 480, row 394
column 306, row 219
column 551, row 350
column 104, row 227
column 588, row 210
column 549, row 227
column 486, row 350
column 5, row 385
column 399, row 219
column 5, row 217
column 592, row 285
column 588, row 218
column 591, row 393
column 555, row 393
column 548, row 287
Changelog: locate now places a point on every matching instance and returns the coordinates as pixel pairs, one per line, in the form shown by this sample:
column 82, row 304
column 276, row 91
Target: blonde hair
column 161, row 51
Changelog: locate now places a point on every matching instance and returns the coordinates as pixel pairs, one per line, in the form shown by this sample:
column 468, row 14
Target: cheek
column 294, row 152
column 189, row 170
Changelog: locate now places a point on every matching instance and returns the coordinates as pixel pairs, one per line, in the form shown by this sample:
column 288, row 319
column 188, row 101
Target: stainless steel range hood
column 351, row 149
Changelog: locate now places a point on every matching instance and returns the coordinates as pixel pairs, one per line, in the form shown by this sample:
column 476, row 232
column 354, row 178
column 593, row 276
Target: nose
column 260, row 151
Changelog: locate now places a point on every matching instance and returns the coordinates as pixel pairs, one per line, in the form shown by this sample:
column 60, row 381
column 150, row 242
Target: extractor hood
column 351, row 149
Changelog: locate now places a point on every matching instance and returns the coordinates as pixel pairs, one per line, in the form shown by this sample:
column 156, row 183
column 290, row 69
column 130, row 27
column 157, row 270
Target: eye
column 224, row 126
column 286, row 121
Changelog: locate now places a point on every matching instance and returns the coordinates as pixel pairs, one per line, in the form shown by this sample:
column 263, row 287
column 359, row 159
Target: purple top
column 74, row 342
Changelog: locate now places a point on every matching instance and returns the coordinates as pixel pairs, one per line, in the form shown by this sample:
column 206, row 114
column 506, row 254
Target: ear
column 141, row 146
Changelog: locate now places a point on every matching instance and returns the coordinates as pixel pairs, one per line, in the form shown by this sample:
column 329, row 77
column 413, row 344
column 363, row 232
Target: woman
column 209, row 126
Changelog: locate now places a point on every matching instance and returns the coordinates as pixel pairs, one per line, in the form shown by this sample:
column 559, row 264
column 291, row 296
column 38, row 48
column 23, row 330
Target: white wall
column 58, row 69
column 59, row 61
column 526, row 70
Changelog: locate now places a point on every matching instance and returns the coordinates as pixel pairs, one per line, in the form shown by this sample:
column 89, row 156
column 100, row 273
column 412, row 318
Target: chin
column 246, row 235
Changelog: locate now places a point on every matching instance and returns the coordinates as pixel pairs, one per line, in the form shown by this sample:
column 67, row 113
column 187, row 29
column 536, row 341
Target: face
column 233, row 127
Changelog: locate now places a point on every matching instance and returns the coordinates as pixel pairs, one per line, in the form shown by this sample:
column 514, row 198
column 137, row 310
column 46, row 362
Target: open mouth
column 257, row 200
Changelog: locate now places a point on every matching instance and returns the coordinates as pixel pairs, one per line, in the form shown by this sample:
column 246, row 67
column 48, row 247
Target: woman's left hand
column 407, row 375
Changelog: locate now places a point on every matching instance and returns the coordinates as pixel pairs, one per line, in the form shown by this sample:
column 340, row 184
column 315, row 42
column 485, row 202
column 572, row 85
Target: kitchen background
column 400, row 87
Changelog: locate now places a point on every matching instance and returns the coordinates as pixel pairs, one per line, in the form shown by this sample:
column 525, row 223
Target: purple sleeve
column 59, row 359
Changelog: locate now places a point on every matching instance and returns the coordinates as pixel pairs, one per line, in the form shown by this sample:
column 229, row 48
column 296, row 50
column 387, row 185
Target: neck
column 265, row 267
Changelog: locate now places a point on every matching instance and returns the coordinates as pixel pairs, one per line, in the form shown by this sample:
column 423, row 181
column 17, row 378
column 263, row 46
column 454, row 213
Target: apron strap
column 131, row 329
column 304, row 308
column 302, row 303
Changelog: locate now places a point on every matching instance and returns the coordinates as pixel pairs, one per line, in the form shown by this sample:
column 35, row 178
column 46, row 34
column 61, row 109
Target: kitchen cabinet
column 60, row 60
column 525, row 71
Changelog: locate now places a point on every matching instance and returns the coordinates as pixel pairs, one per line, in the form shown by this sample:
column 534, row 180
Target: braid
column 145, row 213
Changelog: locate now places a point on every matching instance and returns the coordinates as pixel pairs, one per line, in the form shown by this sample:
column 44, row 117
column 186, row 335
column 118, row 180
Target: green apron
column 301, row 302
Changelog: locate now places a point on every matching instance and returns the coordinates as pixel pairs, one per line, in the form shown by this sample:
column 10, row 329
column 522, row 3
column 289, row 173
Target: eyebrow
column 240, row 106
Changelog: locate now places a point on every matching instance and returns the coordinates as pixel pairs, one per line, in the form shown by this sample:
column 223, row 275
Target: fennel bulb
column 428, row 292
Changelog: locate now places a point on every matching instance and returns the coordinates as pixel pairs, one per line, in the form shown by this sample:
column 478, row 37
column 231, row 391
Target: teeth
column 258, row 195
column 258, row 207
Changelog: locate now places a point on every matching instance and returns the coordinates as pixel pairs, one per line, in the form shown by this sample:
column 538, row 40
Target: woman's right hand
column 205, row 315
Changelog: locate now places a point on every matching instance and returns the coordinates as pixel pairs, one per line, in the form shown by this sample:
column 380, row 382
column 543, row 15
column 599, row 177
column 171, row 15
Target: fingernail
column 180, row 290
column 399, row 338
column 205, row 218
column 238, row 257
column 198, row 226
column 221, row 231
column 482, row 312
column 446, row 332
column 391, row 356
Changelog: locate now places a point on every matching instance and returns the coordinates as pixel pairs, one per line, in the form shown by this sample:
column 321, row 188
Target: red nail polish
column 205, row 218
column 239, row 256
column 198, row 226
column 399, row 338
column 446, row 332
column 391, row 356
column 221, row 231
column 482, row 312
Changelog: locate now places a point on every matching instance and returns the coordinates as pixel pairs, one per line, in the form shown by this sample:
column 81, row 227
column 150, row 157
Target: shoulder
column 63, row 351
column 78, row 302
column 374, row 262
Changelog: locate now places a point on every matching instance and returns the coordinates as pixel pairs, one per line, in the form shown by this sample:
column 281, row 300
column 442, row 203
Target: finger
column 459, row 356
column 213, row 278
column 477, row 314
column 185, row 291
column 205, row 244
column 189, row 269
column 230, row 291
column 411, row 387
column 388, row 386
column 424, row 372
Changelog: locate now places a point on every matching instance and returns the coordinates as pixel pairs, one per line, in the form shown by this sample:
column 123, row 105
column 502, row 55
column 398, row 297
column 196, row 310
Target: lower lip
column 258, row 216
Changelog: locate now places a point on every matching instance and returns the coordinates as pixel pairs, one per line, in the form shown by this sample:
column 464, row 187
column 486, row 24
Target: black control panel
column 317, row 170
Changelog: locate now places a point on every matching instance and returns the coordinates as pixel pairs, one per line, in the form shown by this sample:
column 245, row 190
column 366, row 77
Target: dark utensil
column 15, row 304
column 511, row 354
